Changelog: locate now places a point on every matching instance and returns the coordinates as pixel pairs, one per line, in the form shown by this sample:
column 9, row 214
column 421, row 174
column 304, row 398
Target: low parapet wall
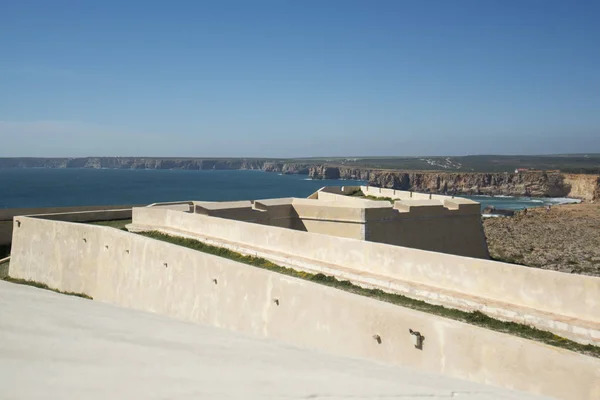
column 136, row 272
column 567, row 295
column 452, row 204
column 7, row 215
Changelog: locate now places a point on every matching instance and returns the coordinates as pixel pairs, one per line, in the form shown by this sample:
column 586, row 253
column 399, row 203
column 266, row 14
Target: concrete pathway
column 60, row 347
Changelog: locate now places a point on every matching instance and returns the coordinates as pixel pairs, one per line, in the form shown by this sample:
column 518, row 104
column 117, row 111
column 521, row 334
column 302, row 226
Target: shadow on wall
column 4, row 250
column 296, row 222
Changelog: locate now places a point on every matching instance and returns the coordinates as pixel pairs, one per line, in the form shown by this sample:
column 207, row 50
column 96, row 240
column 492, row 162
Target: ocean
column 41, row 187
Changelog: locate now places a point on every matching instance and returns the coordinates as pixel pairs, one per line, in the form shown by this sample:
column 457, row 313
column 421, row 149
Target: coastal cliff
column 535, row 184
column 131, row 163
column 512, row 184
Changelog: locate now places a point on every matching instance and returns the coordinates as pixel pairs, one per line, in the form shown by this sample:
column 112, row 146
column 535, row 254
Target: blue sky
column 298, row 78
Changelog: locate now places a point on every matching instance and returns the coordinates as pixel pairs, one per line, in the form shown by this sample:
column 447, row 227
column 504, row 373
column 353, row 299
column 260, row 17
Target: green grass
column 380, row 199
column 474, row 318
column 359, row 193
column 117, row 224
column 43, row 286
column 356, row 193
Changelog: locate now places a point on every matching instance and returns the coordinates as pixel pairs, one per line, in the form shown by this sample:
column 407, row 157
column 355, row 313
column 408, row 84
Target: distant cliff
column 132, row 163
column 537, row 184
column 534, row 184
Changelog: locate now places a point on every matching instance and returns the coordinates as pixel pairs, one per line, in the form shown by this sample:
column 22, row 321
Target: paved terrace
column 62, row 347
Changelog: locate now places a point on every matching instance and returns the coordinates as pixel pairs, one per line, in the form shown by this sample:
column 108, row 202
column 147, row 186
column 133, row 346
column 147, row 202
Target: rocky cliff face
column 286, row 168
column 328, row 172
column 535, row 184
column 586, row 187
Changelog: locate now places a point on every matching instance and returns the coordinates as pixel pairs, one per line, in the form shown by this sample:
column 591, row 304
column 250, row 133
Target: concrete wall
column 461, row 236
column 298, row 214
column 6, row 216
column 440, row 223
column 553, row 292
column 452, row 227
column 136, row 272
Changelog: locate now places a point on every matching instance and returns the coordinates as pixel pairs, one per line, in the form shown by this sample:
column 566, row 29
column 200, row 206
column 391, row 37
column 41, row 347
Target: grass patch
column 44, row 286
column 474, row 318
column 380, row 199
column 359, row 193
column 117, row 224
column 356, row 193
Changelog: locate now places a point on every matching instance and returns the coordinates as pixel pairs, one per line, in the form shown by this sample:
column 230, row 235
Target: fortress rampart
column 563, row 303
column 133, row 271
column 428, row 222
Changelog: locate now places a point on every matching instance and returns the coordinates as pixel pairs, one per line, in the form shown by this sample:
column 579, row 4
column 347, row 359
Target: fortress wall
column 465, row 205
column 237, row 213
column 88, row 216
column 299, row 214
column 460, row 235
column 353, row 230
column 399, row 194
column 137, row 272
column 554, row 292
column 446, row 225
column 6, row 216
column 452, row 205
column 442, row 224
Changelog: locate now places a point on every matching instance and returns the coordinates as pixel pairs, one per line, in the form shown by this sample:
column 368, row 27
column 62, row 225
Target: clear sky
column 298, row 78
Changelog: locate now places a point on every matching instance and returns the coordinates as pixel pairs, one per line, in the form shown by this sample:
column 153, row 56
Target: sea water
column 518, row 203
column 41, row 187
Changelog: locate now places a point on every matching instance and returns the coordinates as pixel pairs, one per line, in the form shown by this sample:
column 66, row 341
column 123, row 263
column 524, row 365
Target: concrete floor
column 61, row 347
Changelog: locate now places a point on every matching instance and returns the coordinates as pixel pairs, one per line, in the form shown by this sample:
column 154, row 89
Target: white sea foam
column 563, row 200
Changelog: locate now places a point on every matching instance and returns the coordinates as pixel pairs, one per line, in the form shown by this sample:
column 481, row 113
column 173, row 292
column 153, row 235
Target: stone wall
column 137, row 272
column 7, row 215
column 551, row 300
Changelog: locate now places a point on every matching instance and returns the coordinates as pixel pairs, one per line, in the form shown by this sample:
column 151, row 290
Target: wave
column 563, row 200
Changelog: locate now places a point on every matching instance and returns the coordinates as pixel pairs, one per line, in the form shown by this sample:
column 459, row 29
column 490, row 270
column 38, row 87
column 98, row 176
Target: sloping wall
column 136, row 272
column 569, row 295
